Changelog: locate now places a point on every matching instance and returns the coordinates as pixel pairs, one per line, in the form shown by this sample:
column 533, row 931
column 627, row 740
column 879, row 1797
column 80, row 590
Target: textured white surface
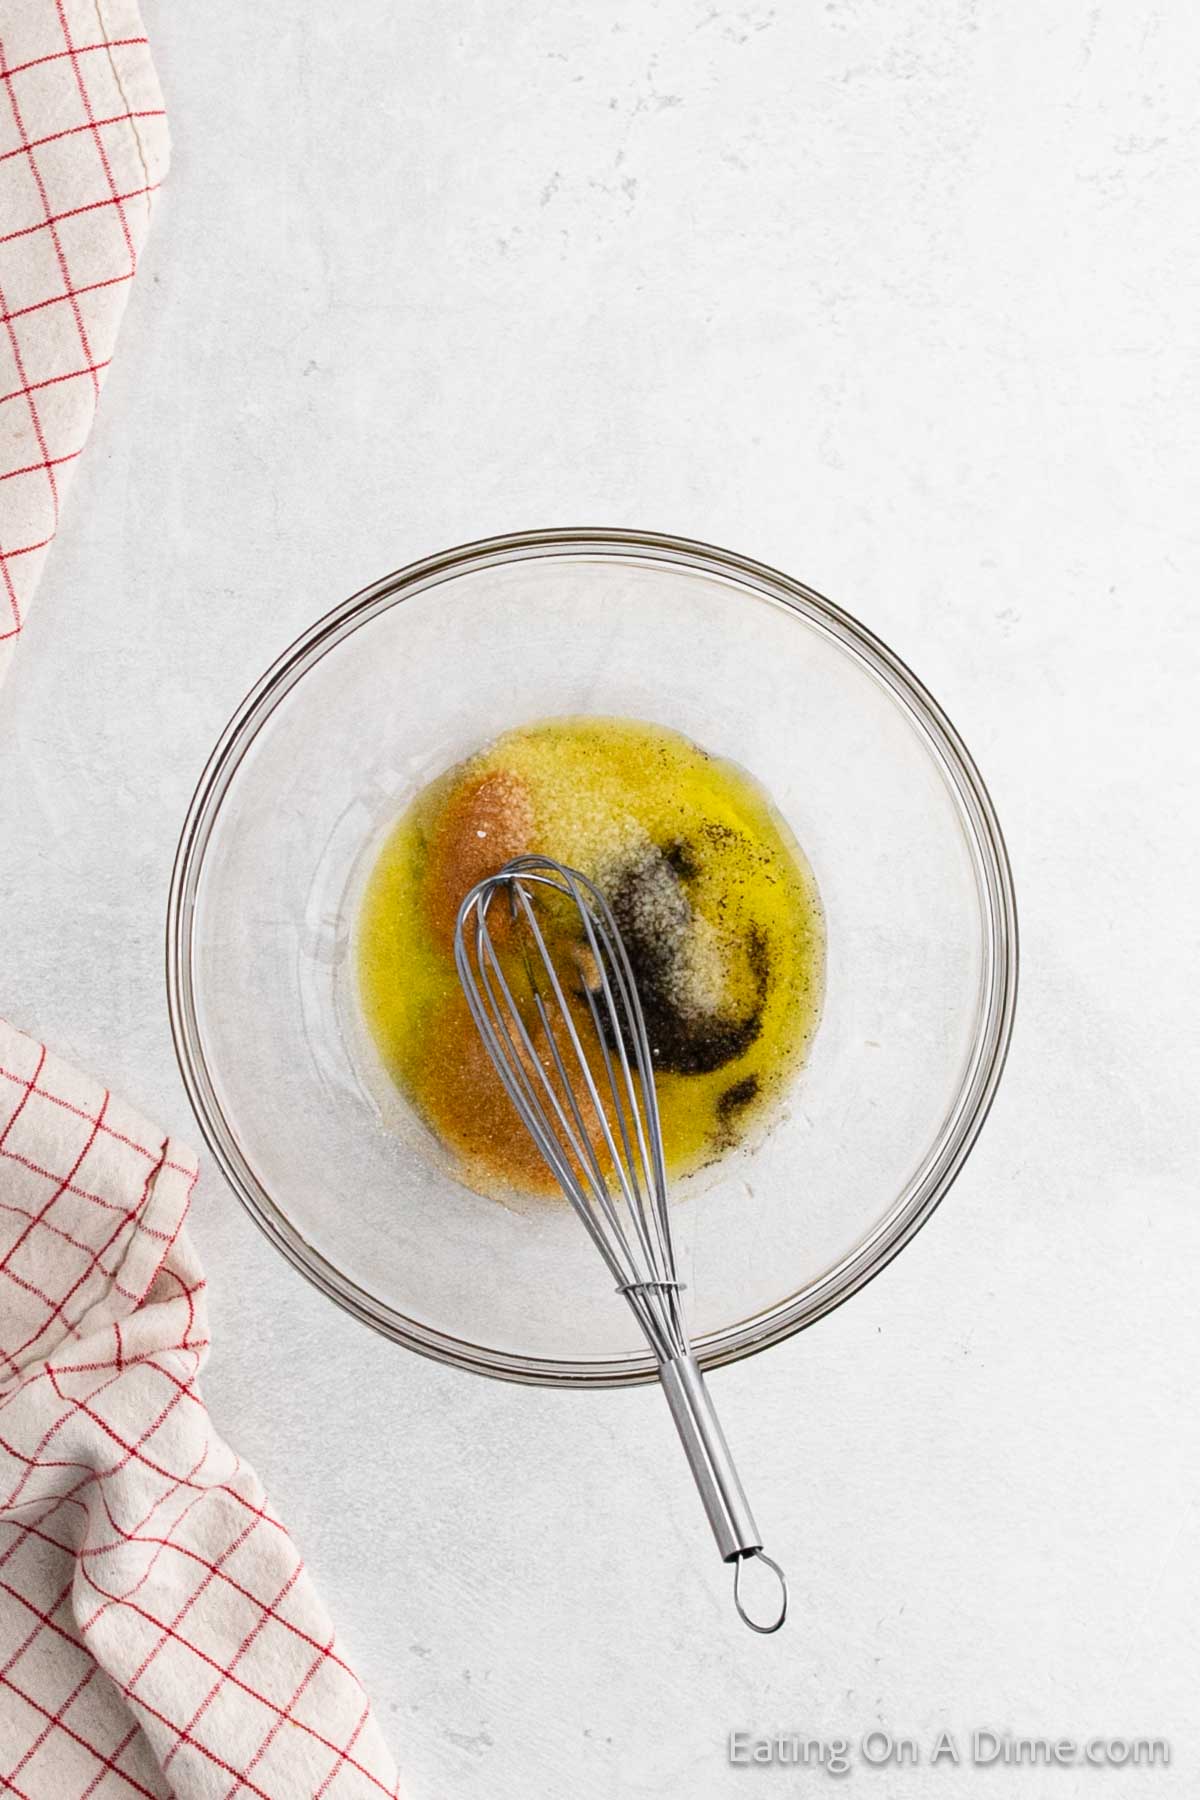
column 902, row 300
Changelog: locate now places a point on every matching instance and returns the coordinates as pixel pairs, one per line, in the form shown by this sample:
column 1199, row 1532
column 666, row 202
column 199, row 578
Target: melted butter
column 716, row 903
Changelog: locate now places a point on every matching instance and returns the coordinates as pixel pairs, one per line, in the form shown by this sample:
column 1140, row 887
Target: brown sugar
column 485, row 823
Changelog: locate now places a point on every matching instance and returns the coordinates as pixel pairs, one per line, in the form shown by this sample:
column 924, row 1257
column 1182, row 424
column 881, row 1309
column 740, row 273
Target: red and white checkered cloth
column 83, row 146
column 158, row 1634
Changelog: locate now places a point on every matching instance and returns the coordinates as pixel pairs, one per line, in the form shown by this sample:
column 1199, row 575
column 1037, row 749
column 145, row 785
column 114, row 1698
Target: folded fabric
column 158, row 1633
column 83, row 146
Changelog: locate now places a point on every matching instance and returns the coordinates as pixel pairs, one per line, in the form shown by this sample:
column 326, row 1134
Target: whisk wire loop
column 497, row 1024
column 567, row 1150
column 584, row 1146
column 625, row 1026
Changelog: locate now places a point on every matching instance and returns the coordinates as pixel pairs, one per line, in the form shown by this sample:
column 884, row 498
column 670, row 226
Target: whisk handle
column 708, row 1457
column 712, row 1467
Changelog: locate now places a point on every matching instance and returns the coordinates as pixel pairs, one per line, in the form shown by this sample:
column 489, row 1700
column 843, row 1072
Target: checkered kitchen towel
column 83, row 145
column 158, row 1634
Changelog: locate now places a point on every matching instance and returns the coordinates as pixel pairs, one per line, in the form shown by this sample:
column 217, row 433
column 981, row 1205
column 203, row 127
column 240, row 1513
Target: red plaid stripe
column 158, row 1632
column 83, row 147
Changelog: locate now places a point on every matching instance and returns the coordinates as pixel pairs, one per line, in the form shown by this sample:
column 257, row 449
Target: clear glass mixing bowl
column 413, row 674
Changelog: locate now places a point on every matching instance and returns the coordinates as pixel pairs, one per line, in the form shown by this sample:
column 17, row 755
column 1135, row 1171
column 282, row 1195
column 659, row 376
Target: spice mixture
column 716, row 905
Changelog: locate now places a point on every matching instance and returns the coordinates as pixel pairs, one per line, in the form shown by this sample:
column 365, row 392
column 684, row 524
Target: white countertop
column 902, row 300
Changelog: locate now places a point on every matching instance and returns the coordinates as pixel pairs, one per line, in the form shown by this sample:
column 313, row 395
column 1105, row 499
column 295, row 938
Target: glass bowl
column 409, row 677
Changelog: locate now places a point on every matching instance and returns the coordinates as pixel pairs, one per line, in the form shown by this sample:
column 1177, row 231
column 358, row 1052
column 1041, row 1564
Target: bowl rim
column 928, row 1185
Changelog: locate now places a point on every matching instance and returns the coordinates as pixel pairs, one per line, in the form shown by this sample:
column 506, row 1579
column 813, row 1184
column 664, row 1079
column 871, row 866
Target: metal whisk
column 592, row 1112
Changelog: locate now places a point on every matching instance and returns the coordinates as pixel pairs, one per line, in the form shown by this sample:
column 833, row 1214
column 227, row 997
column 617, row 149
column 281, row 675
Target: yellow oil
column 715, row 900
